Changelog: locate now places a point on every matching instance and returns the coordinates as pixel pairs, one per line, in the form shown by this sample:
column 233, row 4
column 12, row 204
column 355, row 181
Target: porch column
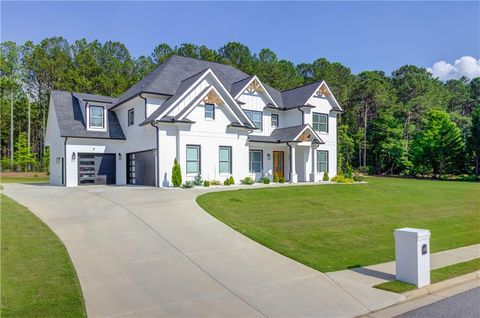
column 293, row 172
column 313, row 175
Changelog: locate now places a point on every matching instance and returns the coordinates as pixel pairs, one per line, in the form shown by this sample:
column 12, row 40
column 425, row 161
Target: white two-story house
column 214, row 119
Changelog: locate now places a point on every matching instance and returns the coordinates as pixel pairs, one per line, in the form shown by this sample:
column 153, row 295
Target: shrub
column 176, row 174
column 187, row 185
column 275, row 177
column 281, row 180
column 342, row 179
column 358, row 178
column 265, row 180
column 35, row 175
column 325, row 176
column 466, row 177
column 5, row 163
column 215, row 182
column 348, row 171
column 226, row 182
column 231, row 180
column 198, row 180
column 206, row 183
column 247, row 180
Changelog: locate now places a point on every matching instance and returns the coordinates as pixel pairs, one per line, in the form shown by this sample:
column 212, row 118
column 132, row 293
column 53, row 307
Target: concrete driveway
column 149, row 252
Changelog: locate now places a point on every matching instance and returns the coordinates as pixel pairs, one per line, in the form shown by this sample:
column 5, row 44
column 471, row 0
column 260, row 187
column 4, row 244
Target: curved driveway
column 149, row 252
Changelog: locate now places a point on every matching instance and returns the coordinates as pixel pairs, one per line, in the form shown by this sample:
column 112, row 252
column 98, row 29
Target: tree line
column 407, row 123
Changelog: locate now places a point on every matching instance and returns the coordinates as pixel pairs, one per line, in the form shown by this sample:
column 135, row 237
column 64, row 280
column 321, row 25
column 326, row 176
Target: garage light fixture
column 57, row 160
column 119, row 156
column 268, row 156
column 73, row 156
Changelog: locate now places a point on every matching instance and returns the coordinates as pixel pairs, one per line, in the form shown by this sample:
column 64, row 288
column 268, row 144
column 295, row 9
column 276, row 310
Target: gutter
column 157, row 156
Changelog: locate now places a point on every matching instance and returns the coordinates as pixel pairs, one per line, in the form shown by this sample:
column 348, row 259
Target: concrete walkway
column 143, row 252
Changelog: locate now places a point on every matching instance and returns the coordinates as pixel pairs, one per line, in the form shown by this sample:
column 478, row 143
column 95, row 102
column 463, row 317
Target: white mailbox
column 412, row 256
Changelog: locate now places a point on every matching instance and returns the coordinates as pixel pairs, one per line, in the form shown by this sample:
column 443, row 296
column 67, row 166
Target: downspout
column 65, row 162
column 303, row 115
column 157, row 156
column 290, row 163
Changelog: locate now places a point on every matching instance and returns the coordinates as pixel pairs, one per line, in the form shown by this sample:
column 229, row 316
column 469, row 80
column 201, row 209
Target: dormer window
column 209, row 111
column 96, row 117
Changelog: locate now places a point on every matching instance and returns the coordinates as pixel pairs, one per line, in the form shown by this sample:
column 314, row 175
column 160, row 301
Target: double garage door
column 96, row 168
column 141, row 168
column 101, row 168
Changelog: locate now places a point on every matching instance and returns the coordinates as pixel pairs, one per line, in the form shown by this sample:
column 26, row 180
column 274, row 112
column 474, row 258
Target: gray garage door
column 96, row 168
column 141, row 168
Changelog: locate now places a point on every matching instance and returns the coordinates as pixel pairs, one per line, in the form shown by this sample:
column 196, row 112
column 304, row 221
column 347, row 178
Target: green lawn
column 333, row 227
column 437, row 275
column 22, row 179
column 38, row 278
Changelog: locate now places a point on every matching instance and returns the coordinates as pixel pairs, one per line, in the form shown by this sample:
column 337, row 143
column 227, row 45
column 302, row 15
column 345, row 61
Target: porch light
column 119, row 156
column 73, row 156
column 268, row 156
column 57, row 160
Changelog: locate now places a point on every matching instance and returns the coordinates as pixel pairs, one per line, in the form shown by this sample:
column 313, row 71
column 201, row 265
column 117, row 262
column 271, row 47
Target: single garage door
column 96, row 168
column 141, row 168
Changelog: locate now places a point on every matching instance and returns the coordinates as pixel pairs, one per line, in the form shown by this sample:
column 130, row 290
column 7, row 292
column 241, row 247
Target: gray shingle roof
column 184, row 85
column 95, row 98
column 282, row 135
column 237, row 86
column 71, row 121
column 298, row 96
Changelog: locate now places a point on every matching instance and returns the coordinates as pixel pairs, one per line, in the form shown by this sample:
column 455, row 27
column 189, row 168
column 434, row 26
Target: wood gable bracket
column 212, row 98
column 255, row 86
column 322, row 91
column 305, row 136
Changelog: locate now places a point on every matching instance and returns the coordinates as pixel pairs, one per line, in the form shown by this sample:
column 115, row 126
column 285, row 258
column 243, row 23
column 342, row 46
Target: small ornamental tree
column 325, row 176
column 22, row 156
column 176, row 174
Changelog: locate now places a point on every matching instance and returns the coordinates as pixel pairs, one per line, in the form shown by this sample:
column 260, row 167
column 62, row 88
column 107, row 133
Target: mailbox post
column 412, row 256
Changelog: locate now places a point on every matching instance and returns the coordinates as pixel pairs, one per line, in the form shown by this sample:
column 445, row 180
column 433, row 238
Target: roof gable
column 252, row 84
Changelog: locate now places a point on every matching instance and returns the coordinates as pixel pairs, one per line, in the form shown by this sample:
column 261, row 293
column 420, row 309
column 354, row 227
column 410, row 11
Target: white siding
column 56, row 144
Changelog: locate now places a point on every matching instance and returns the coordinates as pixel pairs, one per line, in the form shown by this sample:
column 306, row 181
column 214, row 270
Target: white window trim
column 89, row 127
column 327, row 123
column 230, row 161
column 205, row 112
column 318, row 161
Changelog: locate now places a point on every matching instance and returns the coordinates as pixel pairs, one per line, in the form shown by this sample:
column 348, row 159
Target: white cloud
column 465, row 66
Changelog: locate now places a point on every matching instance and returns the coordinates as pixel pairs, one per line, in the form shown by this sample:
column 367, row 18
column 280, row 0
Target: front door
column 278, row 163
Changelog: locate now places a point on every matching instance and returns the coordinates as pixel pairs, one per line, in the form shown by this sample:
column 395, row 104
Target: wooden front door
column 278, row 163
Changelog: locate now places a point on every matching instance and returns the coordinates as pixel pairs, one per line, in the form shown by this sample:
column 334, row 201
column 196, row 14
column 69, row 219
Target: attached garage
column 96, row 168
column 141, row 168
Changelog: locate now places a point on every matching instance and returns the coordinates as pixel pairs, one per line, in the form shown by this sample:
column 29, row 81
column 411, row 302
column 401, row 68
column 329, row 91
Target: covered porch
column 289, row 153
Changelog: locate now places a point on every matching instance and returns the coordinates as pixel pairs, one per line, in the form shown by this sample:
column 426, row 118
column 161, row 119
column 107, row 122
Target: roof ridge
column 220, row 63
column 291, row 89
column 197, row 74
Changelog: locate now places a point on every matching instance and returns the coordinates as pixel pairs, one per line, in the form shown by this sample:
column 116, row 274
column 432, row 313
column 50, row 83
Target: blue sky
column 360, row 35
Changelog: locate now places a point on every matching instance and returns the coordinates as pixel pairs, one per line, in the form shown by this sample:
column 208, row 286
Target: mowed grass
column 437, row 275
column 38, row 278
column 334, row 227
column 23, row 177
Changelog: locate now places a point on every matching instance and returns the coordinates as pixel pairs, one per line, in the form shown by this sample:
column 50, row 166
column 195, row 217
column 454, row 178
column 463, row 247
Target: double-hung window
column 274, row 120
column 256, row 162
column 96, row 117
column 225, row 159
column 320, row 122
column 193, row 159
column 255, row 117
column 131, row 117
column 322, row 161
column 210, row 111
